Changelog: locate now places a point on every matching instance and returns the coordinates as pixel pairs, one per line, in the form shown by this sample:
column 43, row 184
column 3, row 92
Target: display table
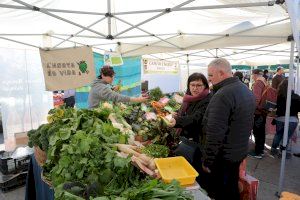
column 37, row 189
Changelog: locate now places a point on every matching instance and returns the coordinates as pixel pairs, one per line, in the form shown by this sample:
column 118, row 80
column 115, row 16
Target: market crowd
column 216, row 119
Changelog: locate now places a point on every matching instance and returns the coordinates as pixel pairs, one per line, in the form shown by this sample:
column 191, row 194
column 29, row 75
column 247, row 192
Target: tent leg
column 187, row 64
column 297, row 84
column 286, row 120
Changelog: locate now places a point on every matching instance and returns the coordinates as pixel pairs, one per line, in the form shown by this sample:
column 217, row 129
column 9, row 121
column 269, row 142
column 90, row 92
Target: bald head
column 218, row 70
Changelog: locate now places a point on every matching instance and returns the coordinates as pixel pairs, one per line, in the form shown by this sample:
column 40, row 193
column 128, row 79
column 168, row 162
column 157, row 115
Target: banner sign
column 155, row 66
column 112, row 59
column 68, row 68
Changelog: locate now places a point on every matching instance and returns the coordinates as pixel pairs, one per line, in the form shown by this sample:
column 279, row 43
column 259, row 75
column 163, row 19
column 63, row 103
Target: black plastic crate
column 12, row 181
column 9, row 165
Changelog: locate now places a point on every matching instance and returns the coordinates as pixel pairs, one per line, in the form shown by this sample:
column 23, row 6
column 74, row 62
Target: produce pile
column 92, row 154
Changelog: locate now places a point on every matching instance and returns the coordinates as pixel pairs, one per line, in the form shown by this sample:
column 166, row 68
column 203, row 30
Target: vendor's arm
column 216, row 126
column 111, row 95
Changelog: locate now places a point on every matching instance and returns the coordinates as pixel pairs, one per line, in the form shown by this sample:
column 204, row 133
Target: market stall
column 111, row 151
column 266, row 29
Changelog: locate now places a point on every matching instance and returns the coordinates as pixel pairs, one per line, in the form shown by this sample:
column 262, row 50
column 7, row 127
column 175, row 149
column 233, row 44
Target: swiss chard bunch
column 155, row 94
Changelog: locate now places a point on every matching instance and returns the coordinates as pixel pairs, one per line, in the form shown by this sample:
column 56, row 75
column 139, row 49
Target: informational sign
column 155, row 66
column 112, row 59
column 68, row 68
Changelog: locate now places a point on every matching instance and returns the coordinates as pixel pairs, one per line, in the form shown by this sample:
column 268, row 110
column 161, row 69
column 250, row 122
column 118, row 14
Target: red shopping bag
column 248, row 187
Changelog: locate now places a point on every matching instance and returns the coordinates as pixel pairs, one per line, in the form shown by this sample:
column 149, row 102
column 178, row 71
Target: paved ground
column 266, row 170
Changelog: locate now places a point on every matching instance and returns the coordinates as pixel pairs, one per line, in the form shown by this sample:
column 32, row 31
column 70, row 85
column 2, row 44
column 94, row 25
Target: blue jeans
column 279, row 132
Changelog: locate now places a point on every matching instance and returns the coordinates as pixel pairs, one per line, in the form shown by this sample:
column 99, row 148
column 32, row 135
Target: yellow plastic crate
column 176, row 168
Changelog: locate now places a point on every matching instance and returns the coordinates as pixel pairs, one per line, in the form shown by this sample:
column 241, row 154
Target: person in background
column 259, row 117
column 228, row 122
column 189, row 120
column 69, row 98
column 266, row 74
column 101, row 90
column 239, row 75
column 278, row 78
column 293, row 119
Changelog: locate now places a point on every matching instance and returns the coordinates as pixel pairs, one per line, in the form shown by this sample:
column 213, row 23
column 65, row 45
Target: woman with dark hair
column 101, row 90
column 293, row 119
column 189, row 119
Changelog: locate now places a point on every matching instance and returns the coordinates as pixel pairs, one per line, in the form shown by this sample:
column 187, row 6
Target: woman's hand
column 174, row 114
column 172, row 122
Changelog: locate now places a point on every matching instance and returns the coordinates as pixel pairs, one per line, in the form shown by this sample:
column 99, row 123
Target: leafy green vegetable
column 156, row 150
column 155, row 94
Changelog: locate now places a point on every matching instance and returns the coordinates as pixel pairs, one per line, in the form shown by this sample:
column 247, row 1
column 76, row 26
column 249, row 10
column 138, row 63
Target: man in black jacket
column 228, row 122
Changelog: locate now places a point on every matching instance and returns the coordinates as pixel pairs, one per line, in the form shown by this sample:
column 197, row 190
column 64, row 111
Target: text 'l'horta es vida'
column 67, row 69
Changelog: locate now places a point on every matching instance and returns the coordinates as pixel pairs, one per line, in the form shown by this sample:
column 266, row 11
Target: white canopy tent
column 138, row 28
column 239, row 30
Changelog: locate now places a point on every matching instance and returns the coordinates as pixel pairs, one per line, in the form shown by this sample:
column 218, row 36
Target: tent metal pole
column 139, row 24
column 187, row 64
column 265, row 46
column 287, row 116
column 109, row 17
column 256, row 55
column 22, row 34
column 297, row 85
column 51, row 10
column 267, row 3
column 15, row 7
column 214, row 56
column 80, row 36
column 154, row 17
column 137, row 36
column 190, row 56
column 105, row 44
column 150, row 34
column 274, row 22
column 243, row 5
column 125, row 37
column 57, row 17
column 74, row 43
column 73, row 35
column 19, row 42
column 255, row 50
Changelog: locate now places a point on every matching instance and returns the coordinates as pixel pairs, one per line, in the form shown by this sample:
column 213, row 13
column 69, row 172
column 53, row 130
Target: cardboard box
column 21, row 139
column 248, row 187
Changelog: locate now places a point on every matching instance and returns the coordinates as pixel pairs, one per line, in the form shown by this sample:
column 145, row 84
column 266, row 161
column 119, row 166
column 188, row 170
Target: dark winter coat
column 191, row 120
column 228, row 122
column 281, row 105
